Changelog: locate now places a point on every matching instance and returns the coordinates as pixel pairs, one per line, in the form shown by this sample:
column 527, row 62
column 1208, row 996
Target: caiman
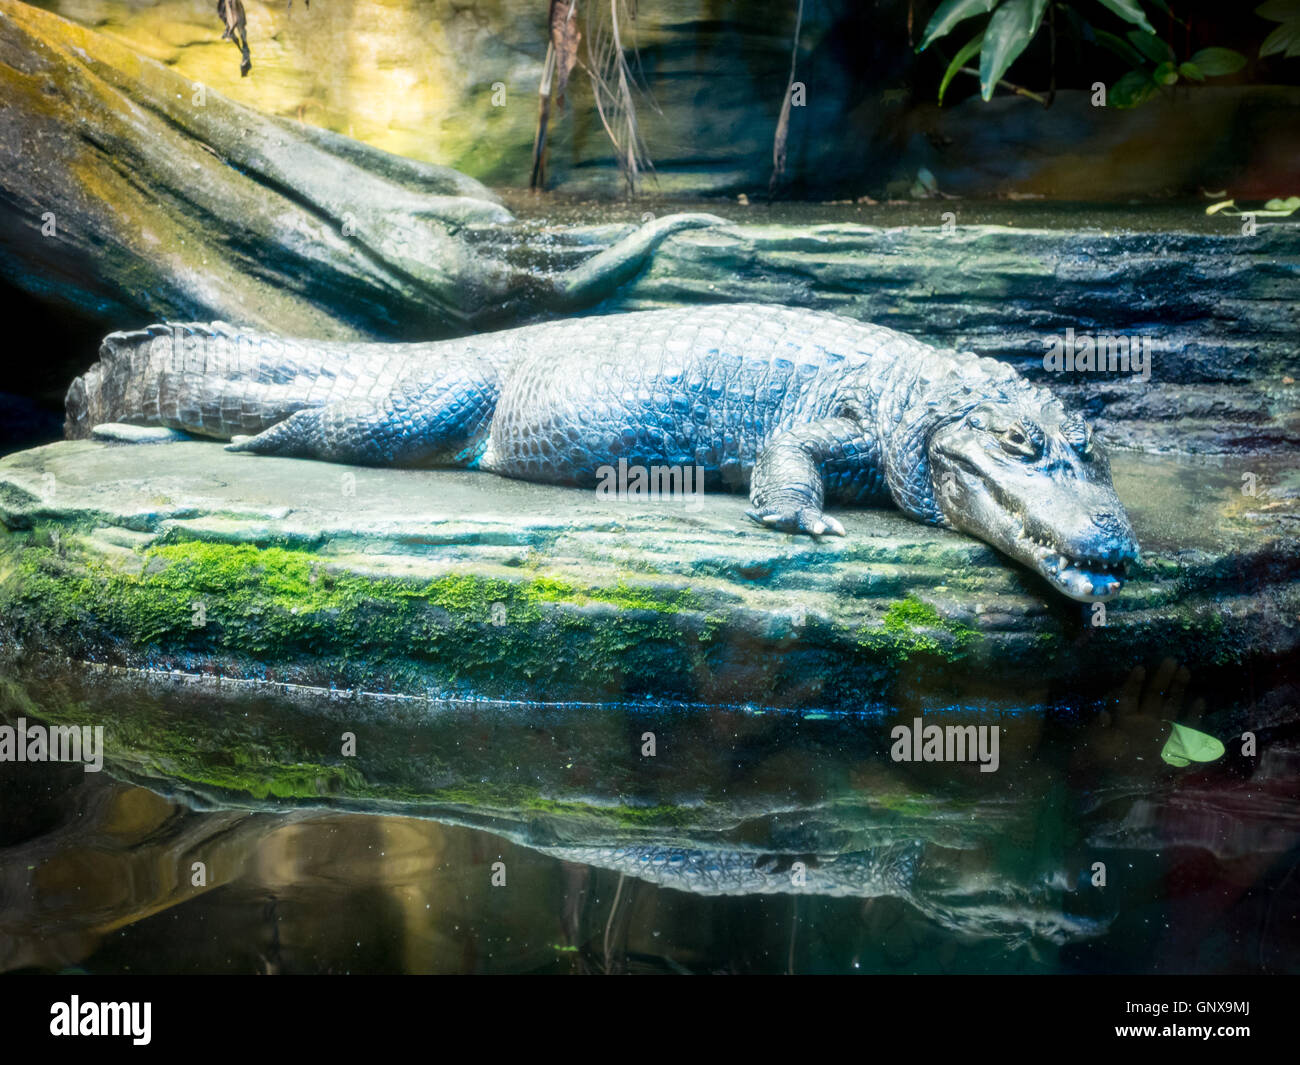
column 800, row 408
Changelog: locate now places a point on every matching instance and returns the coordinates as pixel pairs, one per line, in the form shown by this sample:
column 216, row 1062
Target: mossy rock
column 460, row 584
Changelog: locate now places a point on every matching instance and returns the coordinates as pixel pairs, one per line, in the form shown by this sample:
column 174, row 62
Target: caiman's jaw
column 1088, row 578
column 1035, row 486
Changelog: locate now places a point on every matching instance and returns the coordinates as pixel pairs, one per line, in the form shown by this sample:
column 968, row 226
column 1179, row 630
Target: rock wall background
column 416, row 77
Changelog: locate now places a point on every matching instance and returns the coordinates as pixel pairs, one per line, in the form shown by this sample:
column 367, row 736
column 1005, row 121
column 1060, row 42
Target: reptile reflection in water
column 813, row 855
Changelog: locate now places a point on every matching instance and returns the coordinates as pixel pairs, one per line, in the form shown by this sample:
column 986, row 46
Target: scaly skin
column 901, row 869
column 799, row 407
column 888, row 870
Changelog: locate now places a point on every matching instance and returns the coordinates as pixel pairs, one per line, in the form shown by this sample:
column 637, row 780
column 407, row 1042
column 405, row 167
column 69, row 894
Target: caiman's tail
column 212, row 380
column 101, row 393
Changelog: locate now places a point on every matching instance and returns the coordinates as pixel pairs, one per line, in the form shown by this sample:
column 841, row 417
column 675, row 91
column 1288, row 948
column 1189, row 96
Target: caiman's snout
column 1082, row 543
column 1036, row 486
column 1113, row 527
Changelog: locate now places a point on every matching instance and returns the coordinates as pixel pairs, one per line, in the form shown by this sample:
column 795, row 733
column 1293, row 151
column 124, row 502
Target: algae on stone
column 463, row 584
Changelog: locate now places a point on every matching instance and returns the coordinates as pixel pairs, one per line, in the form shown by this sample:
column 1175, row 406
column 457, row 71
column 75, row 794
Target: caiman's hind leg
column 414, row 425
column 788, row 485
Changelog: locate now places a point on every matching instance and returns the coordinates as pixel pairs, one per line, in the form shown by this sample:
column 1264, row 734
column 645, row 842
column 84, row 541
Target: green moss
column 905, row 805
column 912, row 627
column 151, row 741
column 284, row 605
column 904, row 613
column 248, row 756
column 921, row 804
column 621, row 814
column 507, row 797
column 300, row 780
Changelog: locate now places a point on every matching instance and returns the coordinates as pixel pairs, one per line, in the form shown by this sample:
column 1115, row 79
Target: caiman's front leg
column 787, row 488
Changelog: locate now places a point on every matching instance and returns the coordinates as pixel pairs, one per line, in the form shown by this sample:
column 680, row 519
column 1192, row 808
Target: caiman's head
column 1022, row 474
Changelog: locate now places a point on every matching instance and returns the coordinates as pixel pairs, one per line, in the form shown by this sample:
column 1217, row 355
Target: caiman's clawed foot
column 798, row 520
column 786, row 489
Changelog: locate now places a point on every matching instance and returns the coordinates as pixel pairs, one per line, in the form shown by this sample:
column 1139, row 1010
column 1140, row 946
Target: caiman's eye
column 1020, row 441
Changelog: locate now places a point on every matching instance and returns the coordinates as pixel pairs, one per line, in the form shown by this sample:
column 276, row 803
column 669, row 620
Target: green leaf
column 1165, row 74
column 1284, row 38
column 1279, row 10
column 1215, row 62
column 1120, row 47
column 949, row 14
column 1151, row 46
column 1186, row 745
column 1191, row 71
column 1131, row 89
column 1282, row 208
column 1011, row 28
column 1129, row 11
column 959, row 60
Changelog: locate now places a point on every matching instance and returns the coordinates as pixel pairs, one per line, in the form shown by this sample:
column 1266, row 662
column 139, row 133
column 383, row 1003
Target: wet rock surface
column 464, row 584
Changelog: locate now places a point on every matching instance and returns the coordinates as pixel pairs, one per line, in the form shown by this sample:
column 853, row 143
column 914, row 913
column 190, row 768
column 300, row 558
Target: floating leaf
column 1191, row 71
column 1129, row 11
column 1279, row 208
column 1151, row 46
column 1186, row 745
column 951, row 13
column 959, row 60
column 1010, row 29
column 1215, row 208
column 1215, row 62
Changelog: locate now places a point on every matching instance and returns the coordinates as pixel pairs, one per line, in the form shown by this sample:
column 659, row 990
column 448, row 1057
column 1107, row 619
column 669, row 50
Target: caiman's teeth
column 1080, row 576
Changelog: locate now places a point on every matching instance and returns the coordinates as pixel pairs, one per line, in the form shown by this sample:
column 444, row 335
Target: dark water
column 96, row 875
